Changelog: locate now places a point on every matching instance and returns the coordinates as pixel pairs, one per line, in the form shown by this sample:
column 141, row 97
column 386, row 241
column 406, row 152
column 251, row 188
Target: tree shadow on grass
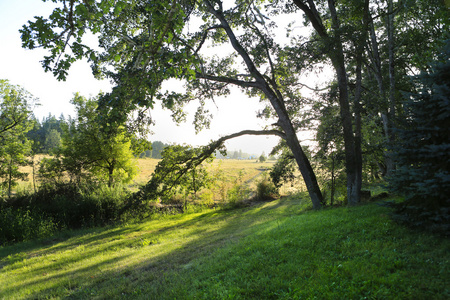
column 138, row 252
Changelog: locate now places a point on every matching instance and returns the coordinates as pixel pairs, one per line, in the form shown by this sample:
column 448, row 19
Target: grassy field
column 146, row 166
column 229, row 167
column 228, row 173
column 273, row 250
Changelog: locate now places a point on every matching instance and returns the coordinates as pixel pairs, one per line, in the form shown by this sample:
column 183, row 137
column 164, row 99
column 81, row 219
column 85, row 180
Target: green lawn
column 274, row 250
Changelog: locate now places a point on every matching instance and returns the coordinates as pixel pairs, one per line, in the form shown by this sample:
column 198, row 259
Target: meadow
column 272, row 250
column 227, row 173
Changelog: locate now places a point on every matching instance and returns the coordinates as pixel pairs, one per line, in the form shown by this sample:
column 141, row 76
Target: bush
column 266, row 190
column 237, row 195
column 21, row 224
column 76, row 206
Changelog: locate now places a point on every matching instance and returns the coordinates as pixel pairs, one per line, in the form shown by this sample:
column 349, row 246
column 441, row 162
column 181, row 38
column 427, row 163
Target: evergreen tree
column 423, row 152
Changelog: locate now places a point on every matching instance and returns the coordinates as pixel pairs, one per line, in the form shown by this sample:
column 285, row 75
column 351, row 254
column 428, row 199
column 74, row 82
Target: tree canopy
column 89, row 151
column 15, row 111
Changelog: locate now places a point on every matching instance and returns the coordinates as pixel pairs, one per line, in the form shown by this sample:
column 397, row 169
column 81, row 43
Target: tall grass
column 34, row 215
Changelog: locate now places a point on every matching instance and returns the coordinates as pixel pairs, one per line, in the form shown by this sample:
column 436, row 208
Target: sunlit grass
column 274, row 250
column 230, row 168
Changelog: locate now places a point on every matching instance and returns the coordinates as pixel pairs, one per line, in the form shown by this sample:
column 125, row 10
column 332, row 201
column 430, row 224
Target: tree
column 52, row 140
column 332, row 39
column 190, row 181
column 181, row 168
column 157, row 148
column 145, row 44
column 15, row 108
column 330, row 154
column 46, row 135
column 14, row 155
column 15, row 111
column 90, row 150
column 423, row 174
column 262, row 158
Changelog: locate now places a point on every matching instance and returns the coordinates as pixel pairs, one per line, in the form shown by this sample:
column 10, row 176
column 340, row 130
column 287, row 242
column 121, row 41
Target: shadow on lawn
column 198, row 240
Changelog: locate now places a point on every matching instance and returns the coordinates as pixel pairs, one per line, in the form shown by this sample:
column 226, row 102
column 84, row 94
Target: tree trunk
column 357, row 109
column 10, row 177
column 358, row 96
column 110, row 176
column 351, row 162
column 385, row 117
column 337, row 59
column 304, row 165
column 277, row 103
column 294, row 145
column 333, row 178
column 390, row 28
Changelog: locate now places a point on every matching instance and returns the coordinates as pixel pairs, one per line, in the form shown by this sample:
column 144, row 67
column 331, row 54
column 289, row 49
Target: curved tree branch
column 238, row 82
column 168, row 176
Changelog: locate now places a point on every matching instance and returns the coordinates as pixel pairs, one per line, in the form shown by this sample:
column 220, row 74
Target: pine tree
column 422, row 154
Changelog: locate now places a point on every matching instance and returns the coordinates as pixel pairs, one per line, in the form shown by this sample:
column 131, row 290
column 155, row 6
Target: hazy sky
column 22, row 67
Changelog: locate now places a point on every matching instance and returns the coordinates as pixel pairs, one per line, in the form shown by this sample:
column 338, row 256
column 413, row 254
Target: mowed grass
column 273, row 250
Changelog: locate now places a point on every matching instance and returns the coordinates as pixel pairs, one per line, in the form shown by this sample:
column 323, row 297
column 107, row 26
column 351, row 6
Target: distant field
column 230, row 167
column 230, row 172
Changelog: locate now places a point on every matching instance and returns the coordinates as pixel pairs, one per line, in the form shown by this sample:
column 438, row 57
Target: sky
column 22, row 67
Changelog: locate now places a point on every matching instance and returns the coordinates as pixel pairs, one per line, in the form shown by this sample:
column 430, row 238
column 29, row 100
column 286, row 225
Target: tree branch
column 238, row 82
column 313, row 15
column 161, row 183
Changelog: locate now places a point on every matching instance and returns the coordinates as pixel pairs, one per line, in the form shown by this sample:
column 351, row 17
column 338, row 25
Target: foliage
column 15, row 110
column 262, row 158
column 283, row 170
column 46, row 134
column 238, row 193
column 92, row 150
column 179, row 171
column 422, row 155
column 22, row 224
column 143, row 45
column 157, row 149
column 71, row 206
column 266, row 189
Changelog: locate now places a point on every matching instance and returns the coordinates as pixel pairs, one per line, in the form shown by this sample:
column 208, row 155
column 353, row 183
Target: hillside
column 272, row 250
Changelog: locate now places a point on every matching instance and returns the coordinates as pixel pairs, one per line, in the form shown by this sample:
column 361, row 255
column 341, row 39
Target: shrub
column 237, row 195
column 21, row 224
column 266, row 190
column 76, row 206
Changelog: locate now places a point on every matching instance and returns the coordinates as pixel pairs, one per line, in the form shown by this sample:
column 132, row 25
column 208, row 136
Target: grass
column 229, row 167
column 273, row 250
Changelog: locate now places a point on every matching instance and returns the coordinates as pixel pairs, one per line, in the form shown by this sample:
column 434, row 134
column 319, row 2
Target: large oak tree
column 142, row 44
